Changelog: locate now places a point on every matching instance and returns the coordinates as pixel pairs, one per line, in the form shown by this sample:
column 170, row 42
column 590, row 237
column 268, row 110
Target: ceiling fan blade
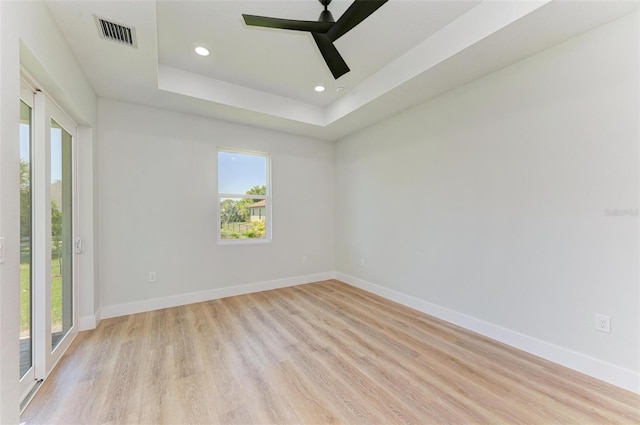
column 331, row 56
column 356, row 13
column 287, row 24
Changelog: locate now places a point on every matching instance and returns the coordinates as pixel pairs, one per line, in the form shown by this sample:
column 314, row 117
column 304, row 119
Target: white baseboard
column 86, row 323
column 598, row 369
column 211, row 294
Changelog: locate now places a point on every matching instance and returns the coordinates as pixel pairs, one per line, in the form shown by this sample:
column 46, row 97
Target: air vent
column 116, row 32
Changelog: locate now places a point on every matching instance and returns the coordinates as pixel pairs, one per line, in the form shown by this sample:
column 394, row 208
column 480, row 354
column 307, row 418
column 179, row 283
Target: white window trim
column 268, row 200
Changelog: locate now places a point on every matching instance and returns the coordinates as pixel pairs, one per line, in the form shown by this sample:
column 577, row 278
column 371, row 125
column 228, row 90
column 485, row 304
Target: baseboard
column 593, row 367
column 86, row 323
column 596, row 368
column 211, row 294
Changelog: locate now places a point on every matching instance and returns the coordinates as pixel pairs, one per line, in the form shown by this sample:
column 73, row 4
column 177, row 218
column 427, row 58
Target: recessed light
column 202, row 51
column 339, row 89
column 319, row 88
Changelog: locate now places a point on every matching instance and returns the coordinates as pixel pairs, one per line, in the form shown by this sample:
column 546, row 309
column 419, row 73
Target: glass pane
column 61, row 234
column 25, row 239
column 242, row 218
column 241, row 173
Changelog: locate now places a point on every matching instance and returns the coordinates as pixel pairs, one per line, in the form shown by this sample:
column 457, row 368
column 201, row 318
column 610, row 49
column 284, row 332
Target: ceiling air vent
column 116, row 32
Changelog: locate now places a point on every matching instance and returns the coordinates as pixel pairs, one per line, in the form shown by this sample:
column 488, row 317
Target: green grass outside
column 242, row 230
column 25, row 296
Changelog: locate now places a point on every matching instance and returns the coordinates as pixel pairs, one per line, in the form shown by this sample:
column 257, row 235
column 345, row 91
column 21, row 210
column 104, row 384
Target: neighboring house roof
column 259, row 204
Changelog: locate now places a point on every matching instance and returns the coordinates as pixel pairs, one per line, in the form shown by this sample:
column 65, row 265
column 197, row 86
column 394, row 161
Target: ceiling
column 405, row 53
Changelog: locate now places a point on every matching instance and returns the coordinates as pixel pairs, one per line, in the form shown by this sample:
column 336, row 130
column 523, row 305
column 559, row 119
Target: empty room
column 315, row 211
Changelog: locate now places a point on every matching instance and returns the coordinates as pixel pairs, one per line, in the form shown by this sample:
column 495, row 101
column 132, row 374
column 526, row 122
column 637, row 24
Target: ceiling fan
column 325, row 30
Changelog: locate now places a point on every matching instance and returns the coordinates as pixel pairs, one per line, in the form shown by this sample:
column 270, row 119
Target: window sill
column 255, row 241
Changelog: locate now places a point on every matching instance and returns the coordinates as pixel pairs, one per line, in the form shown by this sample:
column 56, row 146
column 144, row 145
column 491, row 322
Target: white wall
column 157, row 194
column 28, row 34
column 9, row 222
column 490, row 200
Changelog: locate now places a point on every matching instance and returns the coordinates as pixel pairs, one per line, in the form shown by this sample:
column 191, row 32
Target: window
column 244, row 196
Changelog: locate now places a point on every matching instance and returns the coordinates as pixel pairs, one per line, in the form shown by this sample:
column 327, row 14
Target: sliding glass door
column 47, row 228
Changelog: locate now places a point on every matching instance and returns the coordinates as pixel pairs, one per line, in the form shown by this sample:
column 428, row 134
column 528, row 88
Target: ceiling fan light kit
column 325, row 30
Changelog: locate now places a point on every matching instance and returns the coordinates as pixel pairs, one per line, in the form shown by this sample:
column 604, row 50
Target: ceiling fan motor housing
column 326, row 16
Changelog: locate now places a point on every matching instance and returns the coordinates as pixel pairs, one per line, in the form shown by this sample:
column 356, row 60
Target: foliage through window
column 244, row 196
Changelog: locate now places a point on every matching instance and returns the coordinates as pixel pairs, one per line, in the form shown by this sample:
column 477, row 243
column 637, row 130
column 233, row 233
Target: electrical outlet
column 304, row 260
column 603, row 323
column 152, row 276
column 362, row 262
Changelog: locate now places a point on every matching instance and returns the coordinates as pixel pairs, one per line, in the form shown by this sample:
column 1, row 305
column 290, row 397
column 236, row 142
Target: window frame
column 267, row 198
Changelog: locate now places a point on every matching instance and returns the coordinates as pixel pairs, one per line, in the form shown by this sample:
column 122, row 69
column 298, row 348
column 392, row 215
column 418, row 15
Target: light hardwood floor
column 311, row 354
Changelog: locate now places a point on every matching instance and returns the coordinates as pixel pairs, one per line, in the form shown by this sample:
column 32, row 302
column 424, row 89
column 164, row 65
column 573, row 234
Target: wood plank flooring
column 320, row 353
